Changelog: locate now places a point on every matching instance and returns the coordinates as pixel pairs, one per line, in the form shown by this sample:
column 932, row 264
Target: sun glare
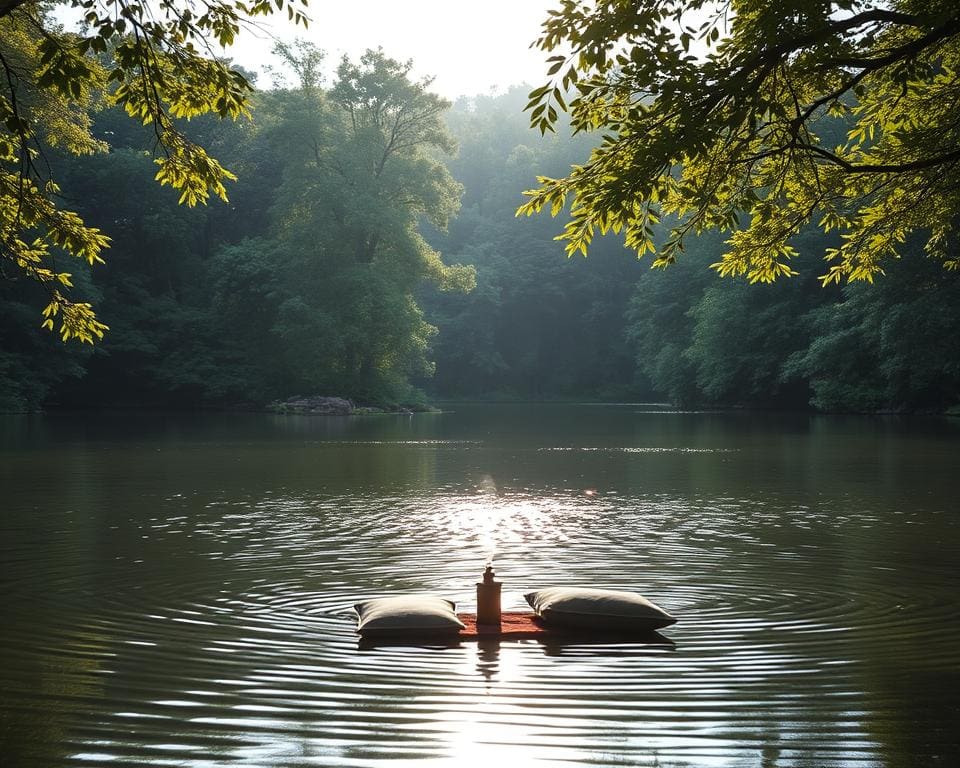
column 470, row 48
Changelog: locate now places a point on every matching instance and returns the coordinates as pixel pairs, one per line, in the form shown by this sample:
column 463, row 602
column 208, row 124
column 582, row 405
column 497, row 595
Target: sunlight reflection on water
column 194, row 609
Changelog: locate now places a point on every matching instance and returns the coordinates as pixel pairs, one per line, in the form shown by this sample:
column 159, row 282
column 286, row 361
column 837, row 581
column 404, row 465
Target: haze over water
column 176, row 589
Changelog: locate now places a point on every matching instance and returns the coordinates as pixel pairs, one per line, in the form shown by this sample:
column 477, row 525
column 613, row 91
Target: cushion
column 581, row 607
column 421, row 615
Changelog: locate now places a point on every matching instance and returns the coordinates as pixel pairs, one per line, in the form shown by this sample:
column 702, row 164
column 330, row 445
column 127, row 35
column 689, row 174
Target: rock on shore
column 329, row 406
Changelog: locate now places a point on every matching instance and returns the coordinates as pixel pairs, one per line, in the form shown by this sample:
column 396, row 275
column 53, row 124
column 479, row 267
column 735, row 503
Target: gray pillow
column 585, row 608
column 421, row 615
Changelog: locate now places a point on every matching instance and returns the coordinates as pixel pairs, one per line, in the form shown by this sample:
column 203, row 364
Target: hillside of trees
column 370, row 249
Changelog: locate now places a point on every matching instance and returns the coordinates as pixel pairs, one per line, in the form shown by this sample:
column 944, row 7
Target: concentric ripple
column 186, row 600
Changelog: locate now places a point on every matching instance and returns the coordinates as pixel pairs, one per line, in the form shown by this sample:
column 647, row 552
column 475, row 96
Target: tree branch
column 915, row 165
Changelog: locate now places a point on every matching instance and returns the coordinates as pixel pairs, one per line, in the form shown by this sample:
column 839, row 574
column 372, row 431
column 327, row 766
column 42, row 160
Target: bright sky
column 470, row 47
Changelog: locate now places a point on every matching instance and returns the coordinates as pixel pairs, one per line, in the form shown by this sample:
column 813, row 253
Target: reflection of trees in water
column 909, row 711
column 36, row 729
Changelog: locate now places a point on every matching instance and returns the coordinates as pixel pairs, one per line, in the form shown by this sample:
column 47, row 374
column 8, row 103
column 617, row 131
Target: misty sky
column 469, row 46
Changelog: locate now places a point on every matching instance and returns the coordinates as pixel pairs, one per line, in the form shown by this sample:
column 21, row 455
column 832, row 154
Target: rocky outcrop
column 328, row 406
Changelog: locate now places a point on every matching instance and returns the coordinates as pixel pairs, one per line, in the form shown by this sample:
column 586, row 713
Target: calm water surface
column 176, row 590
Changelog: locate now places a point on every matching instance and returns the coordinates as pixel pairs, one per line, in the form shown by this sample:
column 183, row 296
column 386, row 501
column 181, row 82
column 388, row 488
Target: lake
column 176, row 589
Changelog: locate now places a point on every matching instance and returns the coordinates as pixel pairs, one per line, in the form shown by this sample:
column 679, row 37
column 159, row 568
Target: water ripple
column 213, row 626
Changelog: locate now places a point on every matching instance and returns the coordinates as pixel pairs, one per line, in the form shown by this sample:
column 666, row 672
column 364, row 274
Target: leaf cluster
column 757, row 118
column 153, row 59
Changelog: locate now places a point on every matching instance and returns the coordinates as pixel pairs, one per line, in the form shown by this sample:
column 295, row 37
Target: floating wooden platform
column 513, row 626
column 518, row 626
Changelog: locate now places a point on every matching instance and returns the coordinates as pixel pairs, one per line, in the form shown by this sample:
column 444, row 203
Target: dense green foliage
column 539, row 325
column 149, row 59
column 887, row 346
column 759, row 118
column 323, row 275
column 304, row 283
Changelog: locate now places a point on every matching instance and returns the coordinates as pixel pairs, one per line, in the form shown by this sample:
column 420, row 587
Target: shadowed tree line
column 323, row 275
column 608, row 326
column 304, row 282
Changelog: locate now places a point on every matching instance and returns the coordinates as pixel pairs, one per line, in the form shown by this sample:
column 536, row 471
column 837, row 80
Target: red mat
column 517, row 626
column 512, row 625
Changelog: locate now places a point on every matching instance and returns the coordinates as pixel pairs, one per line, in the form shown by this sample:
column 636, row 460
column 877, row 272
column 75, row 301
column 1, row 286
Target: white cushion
column 407, row 614
column 588, row 608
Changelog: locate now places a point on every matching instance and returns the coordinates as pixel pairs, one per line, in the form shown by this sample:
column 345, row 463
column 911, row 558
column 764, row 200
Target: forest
column 370, row 249
column 583, row 391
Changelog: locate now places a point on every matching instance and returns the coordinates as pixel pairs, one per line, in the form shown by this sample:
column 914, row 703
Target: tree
column 659, row 323
column 334, row 283
column 537, row 325
column 146, row 57
column 895, row 346
column 721, row 114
